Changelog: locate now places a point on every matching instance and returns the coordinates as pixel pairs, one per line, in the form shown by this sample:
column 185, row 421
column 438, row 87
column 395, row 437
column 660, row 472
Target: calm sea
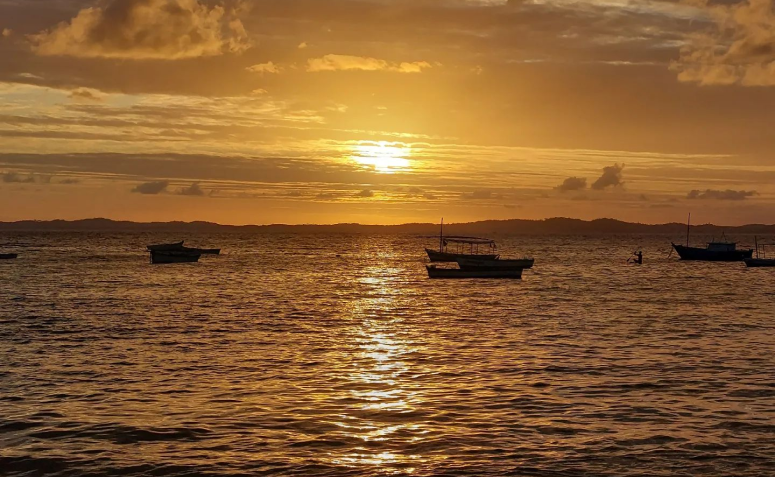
column 335, row 355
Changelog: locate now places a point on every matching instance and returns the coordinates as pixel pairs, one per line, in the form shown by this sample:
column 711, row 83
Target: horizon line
column 358, row 224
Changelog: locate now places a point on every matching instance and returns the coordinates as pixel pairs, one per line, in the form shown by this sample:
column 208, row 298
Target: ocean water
column 334, row 355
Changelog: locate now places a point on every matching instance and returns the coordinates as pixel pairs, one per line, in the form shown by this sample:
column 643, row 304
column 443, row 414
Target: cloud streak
column 721, row 194
column 15, row 178
column 362, row 63
column 264, row 68
column 151, row 188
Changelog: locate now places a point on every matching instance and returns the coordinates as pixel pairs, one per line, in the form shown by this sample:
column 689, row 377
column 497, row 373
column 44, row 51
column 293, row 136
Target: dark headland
column 562, row 226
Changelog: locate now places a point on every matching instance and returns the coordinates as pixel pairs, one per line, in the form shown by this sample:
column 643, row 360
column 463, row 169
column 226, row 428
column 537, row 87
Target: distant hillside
column 555, row 226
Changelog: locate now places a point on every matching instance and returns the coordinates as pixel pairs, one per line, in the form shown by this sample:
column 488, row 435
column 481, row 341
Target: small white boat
column 467, row 263
column 438, row 272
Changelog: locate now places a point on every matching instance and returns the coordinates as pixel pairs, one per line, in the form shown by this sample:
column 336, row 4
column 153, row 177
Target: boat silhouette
column 473, row 243
column 713, row 252
column 439, row 272
column 179, row 247
column 761, row 259
column 174, row 256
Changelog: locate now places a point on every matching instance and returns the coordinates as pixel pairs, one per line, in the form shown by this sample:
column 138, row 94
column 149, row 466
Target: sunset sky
column 387, row 111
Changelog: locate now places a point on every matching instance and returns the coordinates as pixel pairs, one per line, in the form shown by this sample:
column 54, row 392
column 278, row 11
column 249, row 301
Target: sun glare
column 383, row 156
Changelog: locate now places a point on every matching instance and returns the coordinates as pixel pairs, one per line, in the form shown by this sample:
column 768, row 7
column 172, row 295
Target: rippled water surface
column 335, row 355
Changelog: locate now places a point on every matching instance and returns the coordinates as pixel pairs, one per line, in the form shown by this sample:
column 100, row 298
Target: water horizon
column 298, row 355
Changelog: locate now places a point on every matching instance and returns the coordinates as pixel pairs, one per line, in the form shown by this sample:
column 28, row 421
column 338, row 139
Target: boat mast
column 441, row 237
column 688, row 222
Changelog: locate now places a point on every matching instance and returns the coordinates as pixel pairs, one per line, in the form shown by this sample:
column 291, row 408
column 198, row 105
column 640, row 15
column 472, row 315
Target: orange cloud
column 362, row 63
column 86, row 94
column 145, row 29
column 612, row 177
column 741, row 49
column 265, row 68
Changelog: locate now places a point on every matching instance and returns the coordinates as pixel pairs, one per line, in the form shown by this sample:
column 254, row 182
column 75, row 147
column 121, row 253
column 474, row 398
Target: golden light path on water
column 383, row 395
column 382, row 156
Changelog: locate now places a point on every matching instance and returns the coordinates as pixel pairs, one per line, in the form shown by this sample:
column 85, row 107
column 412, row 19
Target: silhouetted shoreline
column 563, row 226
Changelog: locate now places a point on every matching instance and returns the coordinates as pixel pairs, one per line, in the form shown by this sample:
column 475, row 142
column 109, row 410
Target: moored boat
column 165, row 247
column 466, row 263
column 461, row 243
column 179, row 247
column 713, row 252
column 436, row 256
column 8, row 256
column 761, row 259
column 438, row 272
column 174, row 256
column 759, row 262
column 204, row 251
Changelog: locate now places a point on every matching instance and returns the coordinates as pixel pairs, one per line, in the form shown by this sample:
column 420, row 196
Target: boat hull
column 8, row 256
column 204, row 251
column 179, row 247
column 759, row 262
column 498, row 264
column 166, row 247
column 166, row 257
column 705, row 255
column 451, row 273
column 436, row 256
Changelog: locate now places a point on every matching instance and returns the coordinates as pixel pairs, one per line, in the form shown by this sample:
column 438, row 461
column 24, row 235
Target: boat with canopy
column 453, row 247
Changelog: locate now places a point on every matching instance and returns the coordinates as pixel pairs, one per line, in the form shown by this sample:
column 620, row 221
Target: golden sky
column 387, row 111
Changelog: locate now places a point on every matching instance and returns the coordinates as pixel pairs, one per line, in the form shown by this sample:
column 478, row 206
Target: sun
column 382, row 156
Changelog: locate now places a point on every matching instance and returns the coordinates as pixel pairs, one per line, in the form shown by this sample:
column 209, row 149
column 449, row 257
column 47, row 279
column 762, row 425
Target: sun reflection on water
column 383, row 399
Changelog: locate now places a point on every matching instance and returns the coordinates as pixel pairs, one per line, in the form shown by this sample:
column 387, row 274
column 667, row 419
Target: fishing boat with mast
column 722, row 251
column 454, row 247
column 761, row 259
